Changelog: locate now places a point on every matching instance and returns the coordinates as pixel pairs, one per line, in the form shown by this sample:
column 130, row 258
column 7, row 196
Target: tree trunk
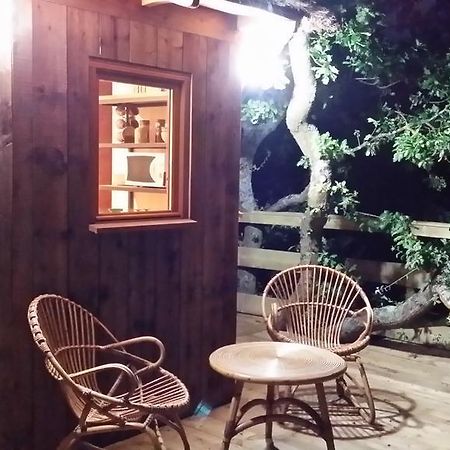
column 307, row 138
column 252, row 136
column 289, row 201
column 400, row 315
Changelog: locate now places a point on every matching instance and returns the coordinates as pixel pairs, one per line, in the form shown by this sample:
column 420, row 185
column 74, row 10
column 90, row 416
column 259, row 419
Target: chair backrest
column 313, row 302
column 57, row 325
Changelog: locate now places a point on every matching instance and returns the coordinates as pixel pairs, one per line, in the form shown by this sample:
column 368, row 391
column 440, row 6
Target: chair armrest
column 276, row 320
column 133, row 379
column 120, row 347
column 274, row 325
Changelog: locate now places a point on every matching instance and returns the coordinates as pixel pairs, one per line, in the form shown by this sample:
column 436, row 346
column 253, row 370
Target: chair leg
column 68, row 442
column 155, row 437
column 371, row 415
column 182, row 432
column 367, row 412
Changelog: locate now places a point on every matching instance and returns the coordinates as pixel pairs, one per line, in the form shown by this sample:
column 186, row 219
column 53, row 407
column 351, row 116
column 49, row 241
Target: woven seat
column 107, row 387
column 312, row 305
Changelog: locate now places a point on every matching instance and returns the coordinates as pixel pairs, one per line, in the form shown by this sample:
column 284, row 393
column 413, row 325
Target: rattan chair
column 108, row 388
column 311, row 305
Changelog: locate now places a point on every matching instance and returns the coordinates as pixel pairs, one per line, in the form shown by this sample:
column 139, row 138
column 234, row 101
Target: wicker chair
column 310, row 305
column 108, row 388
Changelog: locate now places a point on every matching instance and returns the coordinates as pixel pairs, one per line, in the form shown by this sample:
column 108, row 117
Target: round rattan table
column 274, row 364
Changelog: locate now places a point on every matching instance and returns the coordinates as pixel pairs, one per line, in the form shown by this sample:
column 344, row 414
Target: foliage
column 320, row 53
column 344, row 200
column 333, row 149
column 437, row 183
column 417, row 253
column 415, row 127
column 418, row 131
column 259, row 112
column 328, row 259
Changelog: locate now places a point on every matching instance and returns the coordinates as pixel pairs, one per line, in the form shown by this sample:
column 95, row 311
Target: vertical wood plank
column 107, row 43
column 149, row 299
column 6, row 218
column 191, row 355
column 143, row 43
column 122, row 39
column 19, row 421
column 114, row 38
column 137, row 273
column 49, row 192
column 170, row 49
column 113, row 304
column 230, row 153
column 50, row 148
column 82, row 42
column 168, row 294
column 141, row 288
column 219, row 243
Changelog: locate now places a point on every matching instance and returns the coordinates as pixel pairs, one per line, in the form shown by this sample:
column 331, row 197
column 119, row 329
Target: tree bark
column 252, row 136
column 400, row 315
column 307, row 138
column 290, row 201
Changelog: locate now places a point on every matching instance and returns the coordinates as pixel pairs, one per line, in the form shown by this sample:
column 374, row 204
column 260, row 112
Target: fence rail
column 372, row 271
column 437, row 230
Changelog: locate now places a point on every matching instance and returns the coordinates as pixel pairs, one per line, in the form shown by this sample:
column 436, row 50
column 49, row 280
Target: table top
column 277, row 363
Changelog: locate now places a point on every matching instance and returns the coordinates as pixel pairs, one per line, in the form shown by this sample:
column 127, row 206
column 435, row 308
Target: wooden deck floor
column 412, row 395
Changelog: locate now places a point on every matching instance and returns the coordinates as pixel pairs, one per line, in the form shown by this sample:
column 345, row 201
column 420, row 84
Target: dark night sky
column 382, row 184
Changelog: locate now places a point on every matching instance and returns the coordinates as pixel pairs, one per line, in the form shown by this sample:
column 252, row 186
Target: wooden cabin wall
column 6, row 352
column 178, row 285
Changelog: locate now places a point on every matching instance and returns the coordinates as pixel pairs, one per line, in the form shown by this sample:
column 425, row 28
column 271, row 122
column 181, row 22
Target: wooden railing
column 372, row 271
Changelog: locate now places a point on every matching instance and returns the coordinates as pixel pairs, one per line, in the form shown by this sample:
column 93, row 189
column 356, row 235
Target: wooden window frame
column 180, row 83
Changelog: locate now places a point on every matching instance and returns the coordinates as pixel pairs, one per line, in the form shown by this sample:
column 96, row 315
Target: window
column 141, row 146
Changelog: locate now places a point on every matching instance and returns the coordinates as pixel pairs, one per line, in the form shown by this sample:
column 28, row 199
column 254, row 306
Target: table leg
column 234, row 408
column 326, row 425
column 269, row 412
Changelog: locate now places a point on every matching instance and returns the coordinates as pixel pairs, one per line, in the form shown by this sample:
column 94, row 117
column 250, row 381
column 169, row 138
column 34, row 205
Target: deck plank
column 411, row 392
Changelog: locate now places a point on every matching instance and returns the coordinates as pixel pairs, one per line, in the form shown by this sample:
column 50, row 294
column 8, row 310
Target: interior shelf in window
column 124, row 187
column 137, row 99
column 155, row 146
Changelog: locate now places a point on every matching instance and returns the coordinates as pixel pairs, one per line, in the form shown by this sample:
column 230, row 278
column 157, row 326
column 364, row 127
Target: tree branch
column 290, row 200
column 402, row 314
column 394, row 133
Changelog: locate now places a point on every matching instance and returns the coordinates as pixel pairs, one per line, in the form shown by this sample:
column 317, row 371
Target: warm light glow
column 262, row 40
column 6, row 34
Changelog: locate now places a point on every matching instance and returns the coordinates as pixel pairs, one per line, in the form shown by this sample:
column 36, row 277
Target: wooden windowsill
column 139, row 225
